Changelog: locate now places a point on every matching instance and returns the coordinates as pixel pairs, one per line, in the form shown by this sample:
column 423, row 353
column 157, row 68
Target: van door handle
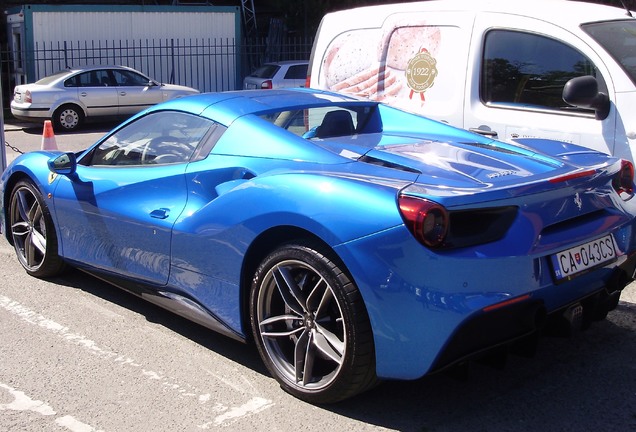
column 484, row 132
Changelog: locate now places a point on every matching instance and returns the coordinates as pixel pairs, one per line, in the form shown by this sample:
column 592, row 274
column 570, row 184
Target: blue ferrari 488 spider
column 352, row 242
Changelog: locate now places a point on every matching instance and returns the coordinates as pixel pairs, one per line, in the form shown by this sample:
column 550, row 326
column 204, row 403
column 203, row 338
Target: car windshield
column 619, row 39
column 49, row 79
column 265, row 71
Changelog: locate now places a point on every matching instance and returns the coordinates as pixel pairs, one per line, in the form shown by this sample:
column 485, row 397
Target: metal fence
column 208, row 65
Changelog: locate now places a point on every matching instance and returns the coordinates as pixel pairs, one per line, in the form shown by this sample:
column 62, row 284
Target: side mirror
column 64, row 164
column 582, row 92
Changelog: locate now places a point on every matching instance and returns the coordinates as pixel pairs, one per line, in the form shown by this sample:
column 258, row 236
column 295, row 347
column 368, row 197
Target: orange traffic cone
column 48, row 138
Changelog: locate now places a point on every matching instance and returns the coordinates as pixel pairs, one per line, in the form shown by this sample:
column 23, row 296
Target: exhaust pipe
column 580, row 316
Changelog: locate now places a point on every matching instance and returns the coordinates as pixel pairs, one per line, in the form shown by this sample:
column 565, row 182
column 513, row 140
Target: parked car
column 277, row 75
column 500, row 68
column 350, row 240
column 69, row 97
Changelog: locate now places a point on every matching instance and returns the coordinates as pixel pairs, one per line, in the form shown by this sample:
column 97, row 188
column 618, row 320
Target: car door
column 135, row 92
column 516, row 89
column 96, row 92
column 117, row 211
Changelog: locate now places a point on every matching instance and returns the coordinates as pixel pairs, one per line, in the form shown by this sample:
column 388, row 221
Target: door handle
column 122, row 93
column 83, row 94
column 484, row 132
column 160, row 213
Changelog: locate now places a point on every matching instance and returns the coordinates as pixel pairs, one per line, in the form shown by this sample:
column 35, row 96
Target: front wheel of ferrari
column 311, row 326
column 32, row 231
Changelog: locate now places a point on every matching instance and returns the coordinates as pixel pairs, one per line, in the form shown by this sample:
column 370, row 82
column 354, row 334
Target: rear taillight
column 266, row 84
column 307, row 81
column 27, row 97
column 623, row 182
column 427, row 220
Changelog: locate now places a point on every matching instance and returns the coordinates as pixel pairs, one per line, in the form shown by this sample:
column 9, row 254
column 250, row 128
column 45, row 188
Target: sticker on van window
column 420, row 73
column 389, row 64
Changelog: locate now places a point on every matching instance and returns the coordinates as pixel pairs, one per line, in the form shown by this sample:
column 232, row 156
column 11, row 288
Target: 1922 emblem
column 421, row 72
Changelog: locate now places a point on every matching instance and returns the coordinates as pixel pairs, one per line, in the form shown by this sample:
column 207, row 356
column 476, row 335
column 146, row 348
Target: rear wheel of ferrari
column 32, row 231
column 311, row 326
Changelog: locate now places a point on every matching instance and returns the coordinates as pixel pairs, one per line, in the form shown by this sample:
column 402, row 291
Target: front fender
column 32, row 165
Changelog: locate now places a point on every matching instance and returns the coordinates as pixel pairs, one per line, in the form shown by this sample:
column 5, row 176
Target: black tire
column 32, row 231
column 68, row 118
column 303, row 305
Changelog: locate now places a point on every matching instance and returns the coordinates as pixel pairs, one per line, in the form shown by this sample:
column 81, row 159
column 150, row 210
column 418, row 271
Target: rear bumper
column 430, row 311
column 30, row 113
column 492, row 326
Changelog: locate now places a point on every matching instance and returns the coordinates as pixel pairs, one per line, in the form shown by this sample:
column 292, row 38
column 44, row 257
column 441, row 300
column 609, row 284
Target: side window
column 160, row 138
column 127, row 78
column 529, row 70
column 296, row 72
column 97, row 78
column 72, row 81
column 85, row 79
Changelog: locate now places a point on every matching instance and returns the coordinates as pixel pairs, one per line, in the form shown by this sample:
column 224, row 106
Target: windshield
column 619, row 39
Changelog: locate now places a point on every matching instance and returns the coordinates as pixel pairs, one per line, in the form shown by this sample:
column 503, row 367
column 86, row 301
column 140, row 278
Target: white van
column 501, row 68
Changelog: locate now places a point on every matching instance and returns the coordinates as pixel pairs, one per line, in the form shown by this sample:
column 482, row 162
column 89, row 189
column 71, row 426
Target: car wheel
column 32, row 231
column 68, row 117
column 311, row 326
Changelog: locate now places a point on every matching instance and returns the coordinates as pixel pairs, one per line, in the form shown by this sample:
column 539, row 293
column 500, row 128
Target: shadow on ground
column 583, row 383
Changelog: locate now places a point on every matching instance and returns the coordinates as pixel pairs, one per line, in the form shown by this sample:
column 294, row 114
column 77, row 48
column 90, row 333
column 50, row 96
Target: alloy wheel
column 28, row 228
column 301, row 325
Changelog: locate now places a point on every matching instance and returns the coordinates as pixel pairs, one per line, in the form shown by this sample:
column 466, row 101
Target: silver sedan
column 71, row 96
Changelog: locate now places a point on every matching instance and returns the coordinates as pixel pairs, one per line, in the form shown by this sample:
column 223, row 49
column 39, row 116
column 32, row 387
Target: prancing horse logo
column 578, row 201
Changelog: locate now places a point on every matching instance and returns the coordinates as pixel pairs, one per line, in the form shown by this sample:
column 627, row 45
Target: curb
column 16, row 127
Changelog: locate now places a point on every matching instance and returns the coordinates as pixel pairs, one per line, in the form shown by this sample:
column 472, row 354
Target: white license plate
column 574, row 261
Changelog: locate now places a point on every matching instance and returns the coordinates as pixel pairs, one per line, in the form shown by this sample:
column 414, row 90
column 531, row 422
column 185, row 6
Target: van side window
column 619, row 39
column 525, row 70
